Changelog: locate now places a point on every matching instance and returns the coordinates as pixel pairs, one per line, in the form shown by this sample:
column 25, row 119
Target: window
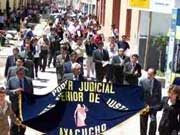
column 116, row 12
column 128, row 22
column 103, row 12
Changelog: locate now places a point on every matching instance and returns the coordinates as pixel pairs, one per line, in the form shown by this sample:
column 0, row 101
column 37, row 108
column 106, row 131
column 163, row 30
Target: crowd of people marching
column 75, row 45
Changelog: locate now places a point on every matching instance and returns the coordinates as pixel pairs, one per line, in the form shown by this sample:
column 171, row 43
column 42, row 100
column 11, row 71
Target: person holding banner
column 5, row 111
column 152, row 97
column 15, row 86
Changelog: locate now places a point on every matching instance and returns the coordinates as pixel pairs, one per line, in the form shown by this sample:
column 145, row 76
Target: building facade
column 14, row 4
column 132, row 22
column 116, row 12
column 88, row 6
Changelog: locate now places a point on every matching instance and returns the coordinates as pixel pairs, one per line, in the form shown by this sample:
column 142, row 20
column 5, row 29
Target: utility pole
column 148, row 41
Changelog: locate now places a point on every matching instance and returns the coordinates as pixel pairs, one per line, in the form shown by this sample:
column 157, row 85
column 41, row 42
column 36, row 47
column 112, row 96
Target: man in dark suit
column 118, row 63
column 15, row 85
column 123, row 43
column 11, row 60
column 101, row 59
column 29, row 58
column 76, row 73
column 152, row 97
column 12, row 70
column 132, row 71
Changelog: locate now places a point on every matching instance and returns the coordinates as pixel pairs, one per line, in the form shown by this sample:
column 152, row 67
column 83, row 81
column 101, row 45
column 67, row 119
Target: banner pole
column 20, row 106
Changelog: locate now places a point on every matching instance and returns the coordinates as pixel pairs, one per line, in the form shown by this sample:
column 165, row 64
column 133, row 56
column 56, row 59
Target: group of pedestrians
column 18, row 79
column 74, row 44
column 82, row 42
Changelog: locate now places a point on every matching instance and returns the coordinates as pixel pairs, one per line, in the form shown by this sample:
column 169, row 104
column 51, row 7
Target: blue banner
column 82, row 108
column 177, row 81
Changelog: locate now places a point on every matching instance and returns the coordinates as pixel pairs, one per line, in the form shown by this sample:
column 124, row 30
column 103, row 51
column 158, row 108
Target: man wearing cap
column 101, row 59
column 15, row 85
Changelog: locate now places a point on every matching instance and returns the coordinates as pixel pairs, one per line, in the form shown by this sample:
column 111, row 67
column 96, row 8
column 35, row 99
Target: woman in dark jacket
column 169, row 123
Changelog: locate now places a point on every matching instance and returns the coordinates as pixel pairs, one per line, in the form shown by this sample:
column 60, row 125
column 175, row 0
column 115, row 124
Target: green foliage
column 160, row 41
column 160, row 73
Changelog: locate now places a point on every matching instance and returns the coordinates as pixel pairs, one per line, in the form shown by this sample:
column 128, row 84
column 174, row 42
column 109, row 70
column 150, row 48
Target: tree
column 161, row 42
